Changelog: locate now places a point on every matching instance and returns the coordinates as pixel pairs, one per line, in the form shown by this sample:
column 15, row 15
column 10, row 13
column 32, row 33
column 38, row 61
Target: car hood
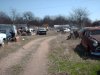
column 96, row 37
column 2, row 35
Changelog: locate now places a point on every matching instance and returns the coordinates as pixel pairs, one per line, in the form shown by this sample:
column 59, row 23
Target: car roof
column 92, row 28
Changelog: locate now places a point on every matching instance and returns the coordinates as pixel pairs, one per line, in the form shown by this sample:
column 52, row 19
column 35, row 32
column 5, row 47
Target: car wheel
column 6, row 41
column 45, row 33
column 87, row 51
column 84, row 50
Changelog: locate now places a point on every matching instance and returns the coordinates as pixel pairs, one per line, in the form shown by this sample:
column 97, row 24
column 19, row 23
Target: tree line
column 79, row 17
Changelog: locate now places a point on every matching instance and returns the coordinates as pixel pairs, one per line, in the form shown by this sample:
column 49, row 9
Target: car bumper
column 95, row 53
column 42, row 33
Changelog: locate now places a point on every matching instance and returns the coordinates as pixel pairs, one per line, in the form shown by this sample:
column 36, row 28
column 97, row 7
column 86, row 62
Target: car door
column 85, row 38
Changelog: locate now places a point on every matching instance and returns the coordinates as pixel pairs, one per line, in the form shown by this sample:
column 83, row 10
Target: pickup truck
column 2, row 38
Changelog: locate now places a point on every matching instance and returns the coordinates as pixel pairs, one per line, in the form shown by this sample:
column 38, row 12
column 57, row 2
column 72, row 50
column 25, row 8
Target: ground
column 49, row 54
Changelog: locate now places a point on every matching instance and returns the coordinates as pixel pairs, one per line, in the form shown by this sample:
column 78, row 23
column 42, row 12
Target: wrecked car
column 90, row 40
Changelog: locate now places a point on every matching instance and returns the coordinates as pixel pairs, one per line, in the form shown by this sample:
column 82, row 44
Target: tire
column 45, row 33
column 83, row 49
column 5, row 41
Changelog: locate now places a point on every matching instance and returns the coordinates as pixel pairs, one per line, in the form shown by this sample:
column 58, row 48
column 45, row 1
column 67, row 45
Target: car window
column 95, row 32
column 87, row 33
column 41, row 29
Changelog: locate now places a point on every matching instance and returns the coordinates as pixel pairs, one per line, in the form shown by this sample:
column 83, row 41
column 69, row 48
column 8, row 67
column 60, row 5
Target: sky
column 42, row 8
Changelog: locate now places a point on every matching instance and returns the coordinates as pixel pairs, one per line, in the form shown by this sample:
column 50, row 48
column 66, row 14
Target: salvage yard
column 55, row 37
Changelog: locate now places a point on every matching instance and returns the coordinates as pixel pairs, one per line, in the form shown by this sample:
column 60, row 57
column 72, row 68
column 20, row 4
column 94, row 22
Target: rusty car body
column 90, row 40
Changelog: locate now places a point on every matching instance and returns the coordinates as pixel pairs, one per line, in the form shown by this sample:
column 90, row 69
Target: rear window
column 95, row 32
column 42, row 29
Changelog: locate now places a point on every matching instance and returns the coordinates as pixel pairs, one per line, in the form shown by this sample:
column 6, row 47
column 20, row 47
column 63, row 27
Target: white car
column 66, row 30
column 2, row 38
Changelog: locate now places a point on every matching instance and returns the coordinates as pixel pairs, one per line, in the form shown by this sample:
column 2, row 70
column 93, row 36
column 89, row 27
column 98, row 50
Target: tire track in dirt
column 37, row 65
column 17, row 56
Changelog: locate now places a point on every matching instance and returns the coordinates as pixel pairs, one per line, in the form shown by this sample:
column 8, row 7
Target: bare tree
column 4, row 18
column 61, row 20
column 13, row 15
column 28, row 16
column 35, row 22
column 19, row 20
column 96, row 23
column 79, row 16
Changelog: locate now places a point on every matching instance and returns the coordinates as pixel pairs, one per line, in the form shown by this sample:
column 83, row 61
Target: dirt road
column 37, row 63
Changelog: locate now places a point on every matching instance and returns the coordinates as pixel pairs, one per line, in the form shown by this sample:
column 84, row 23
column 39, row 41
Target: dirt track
column 37, row 62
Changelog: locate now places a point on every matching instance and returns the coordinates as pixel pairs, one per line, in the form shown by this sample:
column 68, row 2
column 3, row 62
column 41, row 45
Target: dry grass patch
column 63, row 59
column 13, row 46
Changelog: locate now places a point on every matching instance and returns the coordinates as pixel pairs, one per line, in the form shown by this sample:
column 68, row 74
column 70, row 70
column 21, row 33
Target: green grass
column 70, row 63
column 74, row 68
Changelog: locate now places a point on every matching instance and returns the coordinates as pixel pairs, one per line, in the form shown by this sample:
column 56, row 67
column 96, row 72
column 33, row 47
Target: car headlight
column 95, row 43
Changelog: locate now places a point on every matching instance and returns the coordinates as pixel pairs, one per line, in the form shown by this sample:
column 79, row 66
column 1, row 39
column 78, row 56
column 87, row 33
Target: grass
column 15, row 70
column 63, row 59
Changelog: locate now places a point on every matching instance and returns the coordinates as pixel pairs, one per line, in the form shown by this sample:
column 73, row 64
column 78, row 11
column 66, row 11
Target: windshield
column 42, row 29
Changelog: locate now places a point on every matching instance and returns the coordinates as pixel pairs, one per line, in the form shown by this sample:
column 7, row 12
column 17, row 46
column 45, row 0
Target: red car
column 91, row 40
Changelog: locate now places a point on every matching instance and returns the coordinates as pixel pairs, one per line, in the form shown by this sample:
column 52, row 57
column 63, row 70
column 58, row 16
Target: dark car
column 41, row 31
column 91, row 40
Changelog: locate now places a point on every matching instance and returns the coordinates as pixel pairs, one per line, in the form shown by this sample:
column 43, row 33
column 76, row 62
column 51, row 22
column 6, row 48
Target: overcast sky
column 42, row 8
